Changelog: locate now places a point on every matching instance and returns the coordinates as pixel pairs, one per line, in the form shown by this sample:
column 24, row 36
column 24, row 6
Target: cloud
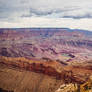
column 78, row 17
column 73, row 9
column 45, row 13
column 29, row 8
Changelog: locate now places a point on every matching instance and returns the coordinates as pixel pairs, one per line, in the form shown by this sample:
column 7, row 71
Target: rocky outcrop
column 51, row 68
column 67, row 88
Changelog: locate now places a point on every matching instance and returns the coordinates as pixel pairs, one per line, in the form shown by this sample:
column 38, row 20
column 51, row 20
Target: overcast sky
column 46, row 13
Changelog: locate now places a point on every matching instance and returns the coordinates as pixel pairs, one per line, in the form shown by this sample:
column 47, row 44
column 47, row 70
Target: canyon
column 59, row 54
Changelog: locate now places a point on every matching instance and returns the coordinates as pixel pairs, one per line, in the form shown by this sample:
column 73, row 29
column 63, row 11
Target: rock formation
column 62, row 54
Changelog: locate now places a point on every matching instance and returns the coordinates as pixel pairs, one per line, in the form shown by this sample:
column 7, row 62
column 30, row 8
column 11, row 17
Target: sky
column 74, row 14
